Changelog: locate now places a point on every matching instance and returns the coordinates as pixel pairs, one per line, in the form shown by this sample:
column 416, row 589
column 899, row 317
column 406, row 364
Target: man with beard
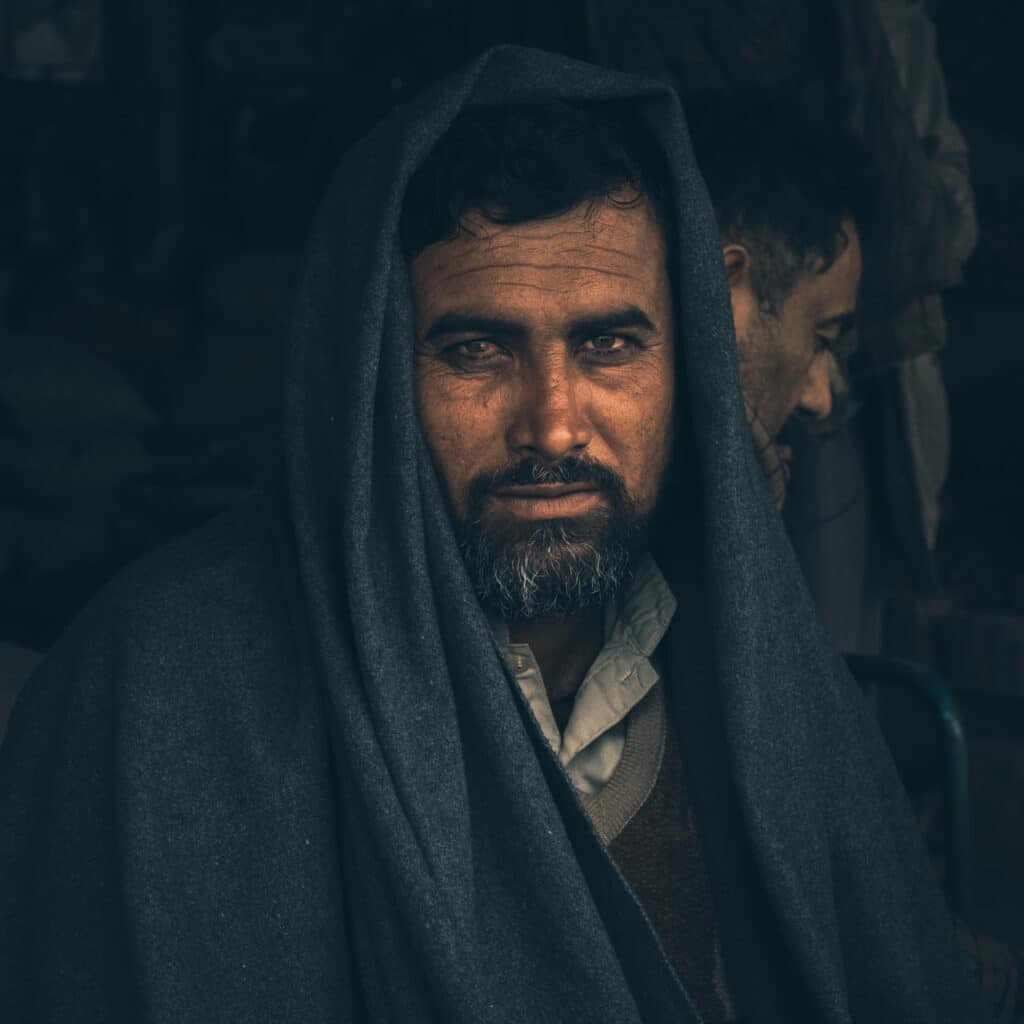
column 508, row 704
column 544, row 381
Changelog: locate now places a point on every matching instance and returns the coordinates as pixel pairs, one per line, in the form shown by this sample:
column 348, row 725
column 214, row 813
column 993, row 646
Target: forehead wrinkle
column 519, row 234
column 575, row 267
column 587, row 250
column 533, row 287
column 560, row 244
column 543, row 227
column 527, row 234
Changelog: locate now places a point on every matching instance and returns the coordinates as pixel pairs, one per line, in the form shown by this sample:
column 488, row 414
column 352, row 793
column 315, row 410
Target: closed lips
column 545, row 490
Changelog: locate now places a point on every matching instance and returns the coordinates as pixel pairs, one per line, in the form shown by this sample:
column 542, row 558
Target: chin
column 548, row 568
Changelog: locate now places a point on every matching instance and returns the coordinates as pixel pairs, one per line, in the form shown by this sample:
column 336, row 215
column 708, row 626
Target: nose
column 549, row 420
column 816, row 397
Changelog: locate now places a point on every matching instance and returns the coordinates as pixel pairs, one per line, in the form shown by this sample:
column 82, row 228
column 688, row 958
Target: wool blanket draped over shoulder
column 277, row 772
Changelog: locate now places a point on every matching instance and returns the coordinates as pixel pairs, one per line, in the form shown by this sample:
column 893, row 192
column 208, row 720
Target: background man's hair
column 781, row 182
column 530, row 161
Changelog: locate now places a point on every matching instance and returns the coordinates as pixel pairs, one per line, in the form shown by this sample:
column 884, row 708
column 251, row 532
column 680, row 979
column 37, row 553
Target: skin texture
column 541, row 340
column 786, row 362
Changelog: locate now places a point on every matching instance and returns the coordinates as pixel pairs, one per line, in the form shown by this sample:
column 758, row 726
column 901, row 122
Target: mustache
column 572, row 469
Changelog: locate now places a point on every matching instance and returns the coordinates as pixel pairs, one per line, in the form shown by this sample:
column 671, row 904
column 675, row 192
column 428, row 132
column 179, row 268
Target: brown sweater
column 645, row 817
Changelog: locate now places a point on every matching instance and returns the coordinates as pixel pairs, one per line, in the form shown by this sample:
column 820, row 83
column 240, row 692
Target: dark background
column 155, row 191
column 160, row 162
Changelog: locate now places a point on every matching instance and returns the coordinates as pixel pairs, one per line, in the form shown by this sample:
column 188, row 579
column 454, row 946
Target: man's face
column 786, row 360
column 544, row 383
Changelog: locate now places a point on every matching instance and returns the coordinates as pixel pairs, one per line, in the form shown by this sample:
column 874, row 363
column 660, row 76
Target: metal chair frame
column 879, row 671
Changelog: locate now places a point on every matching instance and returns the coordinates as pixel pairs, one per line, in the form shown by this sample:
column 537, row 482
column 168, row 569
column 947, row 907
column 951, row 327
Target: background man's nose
column 816, row 397
column 549, row 421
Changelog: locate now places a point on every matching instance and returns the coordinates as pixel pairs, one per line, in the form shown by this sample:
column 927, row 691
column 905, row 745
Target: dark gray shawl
column 276, row 772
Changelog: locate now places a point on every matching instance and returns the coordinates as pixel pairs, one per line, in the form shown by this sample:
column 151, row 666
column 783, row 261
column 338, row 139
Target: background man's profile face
column 548, row 343
column 786, row 359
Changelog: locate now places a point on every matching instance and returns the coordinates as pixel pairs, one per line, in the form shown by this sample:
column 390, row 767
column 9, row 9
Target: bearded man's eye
column 609, row 347
column 477, row 352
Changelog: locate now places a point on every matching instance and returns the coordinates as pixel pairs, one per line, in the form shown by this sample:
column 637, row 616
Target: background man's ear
column 737, row 265
column 739, row 272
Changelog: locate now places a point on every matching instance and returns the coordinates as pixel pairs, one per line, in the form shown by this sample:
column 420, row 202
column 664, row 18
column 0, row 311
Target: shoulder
column 226, row 556
column 199, row 588
column 188, row 622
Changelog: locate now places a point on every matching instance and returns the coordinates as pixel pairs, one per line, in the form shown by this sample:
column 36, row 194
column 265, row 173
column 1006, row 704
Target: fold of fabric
column 279, row 772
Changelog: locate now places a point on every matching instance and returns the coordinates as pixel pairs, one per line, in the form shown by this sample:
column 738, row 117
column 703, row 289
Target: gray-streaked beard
column 553, row 567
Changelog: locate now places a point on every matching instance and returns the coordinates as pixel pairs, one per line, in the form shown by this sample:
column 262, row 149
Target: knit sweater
column 645, row 818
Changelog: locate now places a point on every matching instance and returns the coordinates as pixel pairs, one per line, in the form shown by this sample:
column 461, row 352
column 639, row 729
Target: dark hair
column 781, row 182
column 530, row 161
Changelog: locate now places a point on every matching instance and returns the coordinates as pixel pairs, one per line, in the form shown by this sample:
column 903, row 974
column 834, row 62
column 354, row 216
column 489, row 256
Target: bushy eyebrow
column 844, row 321
column 471, row 323
column 629, row 317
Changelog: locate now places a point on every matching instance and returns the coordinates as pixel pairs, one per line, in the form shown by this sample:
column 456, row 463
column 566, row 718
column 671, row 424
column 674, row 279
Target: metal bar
column 877, row 670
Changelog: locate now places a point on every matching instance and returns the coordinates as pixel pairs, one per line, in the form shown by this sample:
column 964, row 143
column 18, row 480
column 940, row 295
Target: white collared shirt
column 620, row 677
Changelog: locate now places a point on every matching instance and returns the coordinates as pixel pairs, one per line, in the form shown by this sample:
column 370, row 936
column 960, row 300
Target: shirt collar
column 621, row 675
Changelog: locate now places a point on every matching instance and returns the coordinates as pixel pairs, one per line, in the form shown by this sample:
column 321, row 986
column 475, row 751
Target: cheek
column 794, row 372
column 659, row 418
column 637, row 426
column 772, row 381
column 459, row 432
column 659, row 435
